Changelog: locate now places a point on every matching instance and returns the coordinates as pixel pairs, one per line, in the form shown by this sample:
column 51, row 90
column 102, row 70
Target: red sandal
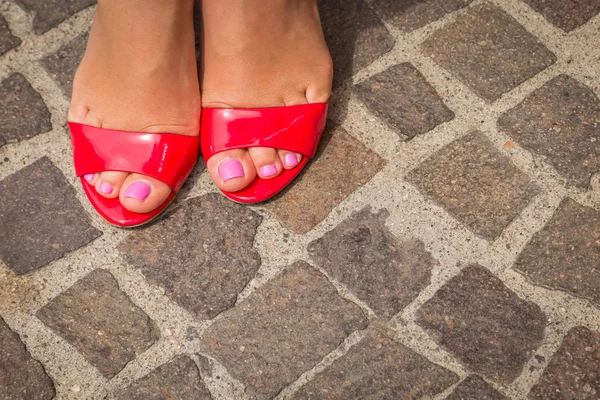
column 293, row 128
column 165, row 156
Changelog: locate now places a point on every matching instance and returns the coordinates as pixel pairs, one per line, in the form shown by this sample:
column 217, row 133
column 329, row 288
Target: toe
column 289, row 159
column 109, row 183
column 266, row 161
column 142, row 194
column 232, row 170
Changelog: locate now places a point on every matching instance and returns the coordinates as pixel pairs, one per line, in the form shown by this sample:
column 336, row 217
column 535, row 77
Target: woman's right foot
column 138, row 74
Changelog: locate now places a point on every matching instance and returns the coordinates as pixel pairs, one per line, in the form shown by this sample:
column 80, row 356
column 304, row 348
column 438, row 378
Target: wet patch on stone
column 487, row 50
column 21, row 376
column 565, row 254
column 574, row 371
column 63, row 64
column 385, row 272
column 48, row 14
column 178, row 379
column 476, row 184
column 475, row 388
column 354, row 34
column 378, row 368
column 560, row 122
column 41, row 218
column 282, row 330
column 341, row 165
column 7, row 40
column 100, row 321
column 566, row 14
column 23, row 113
column 484, row 324
column 408, row 15
column 404, row 100
column 202, row 255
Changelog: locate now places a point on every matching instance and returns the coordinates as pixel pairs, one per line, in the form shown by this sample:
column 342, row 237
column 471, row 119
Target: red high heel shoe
column 293, row 128
column 165, row 156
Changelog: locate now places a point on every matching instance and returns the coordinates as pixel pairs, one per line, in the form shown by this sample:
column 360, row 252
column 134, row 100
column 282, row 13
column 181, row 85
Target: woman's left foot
column 261, row 53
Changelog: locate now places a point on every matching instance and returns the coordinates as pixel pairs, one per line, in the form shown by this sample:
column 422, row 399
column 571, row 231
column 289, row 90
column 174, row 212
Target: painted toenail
column 231, row 169
column 105, row 188
column 138, row 190
column 290, row 160
column 267, row 170
column 89, row 177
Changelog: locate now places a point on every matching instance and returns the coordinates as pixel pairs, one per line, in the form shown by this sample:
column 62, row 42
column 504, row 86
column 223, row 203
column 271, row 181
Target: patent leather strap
column 293, row 128
column 164, row 156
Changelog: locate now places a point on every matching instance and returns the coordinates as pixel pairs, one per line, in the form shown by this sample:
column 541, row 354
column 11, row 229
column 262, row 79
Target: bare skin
column 138, row 74
column 261, row 53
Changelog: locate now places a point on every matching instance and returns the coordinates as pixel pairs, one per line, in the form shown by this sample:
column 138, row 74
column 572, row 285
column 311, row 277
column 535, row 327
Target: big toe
column 142, row 194
column 232, row 170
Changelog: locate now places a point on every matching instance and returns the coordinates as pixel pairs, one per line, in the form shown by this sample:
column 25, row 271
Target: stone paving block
column 7, row 40
column 408, row 15
column 404, row 100
column 354, row 34
column 475, row 388
column 560, row 122
column 41, row 218
column 63, row 64
column 100, row 321
column 49, row 13
column 476, row 184
column 487, row 50
column 202, row 255
column 23, row 113
column 283, row 329
column 378, row 368
column 341, row 166
column 385, row 272
column 566, row 14
column 574, row 371
column 484, row 324
column 21, row 377
column 565, row 254
column 178, row 379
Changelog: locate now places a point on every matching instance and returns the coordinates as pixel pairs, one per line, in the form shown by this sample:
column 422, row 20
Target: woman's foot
column 138, row 74
column 261, row 53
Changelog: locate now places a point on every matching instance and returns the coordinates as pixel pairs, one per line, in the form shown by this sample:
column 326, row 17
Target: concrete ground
column 444, row 244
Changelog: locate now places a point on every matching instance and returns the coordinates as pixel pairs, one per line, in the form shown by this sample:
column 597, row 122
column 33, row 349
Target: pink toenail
column 231, row 169
column 290, row 160
column 138, row 190
column 267, row 170
column 105, row 188
column 89, row 177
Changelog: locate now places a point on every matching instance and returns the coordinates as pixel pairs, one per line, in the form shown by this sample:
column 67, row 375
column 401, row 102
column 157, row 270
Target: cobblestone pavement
column 445, row 243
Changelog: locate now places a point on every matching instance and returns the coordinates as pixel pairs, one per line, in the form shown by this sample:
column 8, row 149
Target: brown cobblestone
column 49, row 13
column 178, row 379
column 484, row 324
column 100, row 321
column 23, row 113
column 202, row 254
column 41, row 218
column 487, row 50
column 574, row 371
column 565, row 254
column 378, row 368
column 475, row 388
column 476, row 184
column 408, row 15
column 380, row 269
column 63, row 64
column 354, row 34
column 7, row 40
column 21, row 377
column 566, row 14
column 560, row 122
column 341, row 166
column 282, row 330
column 404, row 100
